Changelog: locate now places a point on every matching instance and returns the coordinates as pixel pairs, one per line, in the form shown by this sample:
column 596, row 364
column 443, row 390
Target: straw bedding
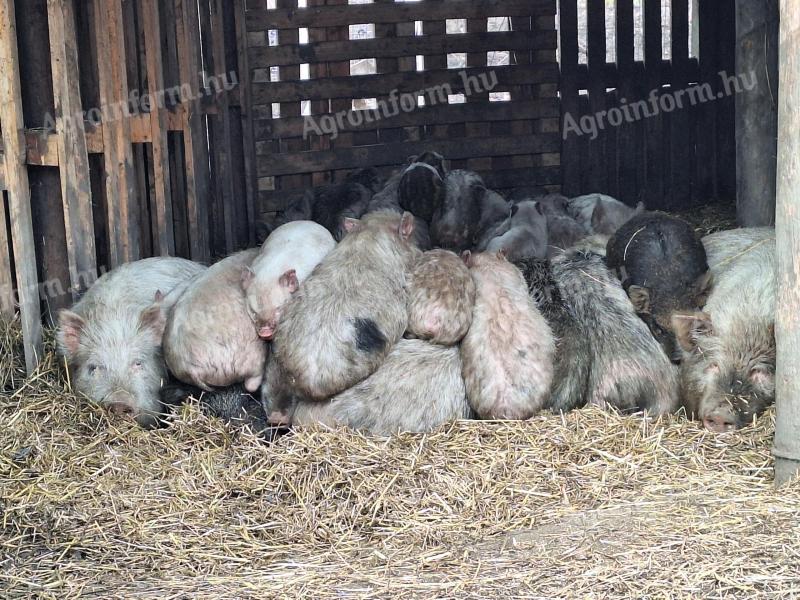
column 587, row 505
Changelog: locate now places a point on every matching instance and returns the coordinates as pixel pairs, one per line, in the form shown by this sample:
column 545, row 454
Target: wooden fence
column 122, row 139
column 300, row 61
column 678, row 158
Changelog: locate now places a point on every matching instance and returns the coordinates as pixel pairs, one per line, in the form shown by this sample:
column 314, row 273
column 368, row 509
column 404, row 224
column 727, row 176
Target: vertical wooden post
column 787, row 230
column 570, row 106
column 123, row 225
column 247, row 119
column 73, row 157
column 19, row 194
column 7, row 307
column 164, row 234
column 194, row 130
column 756, row 110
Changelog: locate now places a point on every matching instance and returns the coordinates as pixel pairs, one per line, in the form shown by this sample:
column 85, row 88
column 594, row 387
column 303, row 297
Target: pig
column 454, row 225
column 339, row 326
column 387, row 200
column 495, row 211
column 441, row 296
column 111, row 339
column 233, row 405
column 553, row 205
column 333, row 204
column 507, row 354
column 418, row 388
column 286, row 259
column 432, row 158
column 602, row 214
column 300, row 209
column 563, row 232
column 728, row 349
column 605, row 354
column 421, row 190
column 526, row 236
column 210, row 340
column 662, row 265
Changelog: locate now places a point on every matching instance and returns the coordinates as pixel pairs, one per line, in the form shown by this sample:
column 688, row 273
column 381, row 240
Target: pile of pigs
column 399, row 306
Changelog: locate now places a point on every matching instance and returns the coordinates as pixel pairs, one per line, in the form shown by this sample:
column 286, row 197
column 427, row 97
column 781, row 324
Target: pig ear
column 598, row 215
column 502, row 254
column 70, row 329
column 466, row 256
column 539, row 208
column 350, row 224
column 640, row 298
column 159, row 297
column 639, row 208
column 702, row 288
column 153, row 321
column 514, row 209
column 406, row 225
column 689, row 328
column 247, row 277
column 289, row 280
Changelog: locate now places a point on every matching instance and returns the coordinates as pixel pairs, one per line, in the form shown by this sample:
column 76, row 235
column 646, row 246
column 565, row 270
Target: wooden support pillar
column 756, row 109
column 19, row 194
column 73, row 156
column 787, row 230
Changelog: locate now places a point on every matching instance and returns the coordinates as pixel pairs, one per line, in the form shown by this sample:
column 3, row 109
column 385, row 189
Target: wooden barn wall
column 300, row 68
column 672, row 160
column 123, row 137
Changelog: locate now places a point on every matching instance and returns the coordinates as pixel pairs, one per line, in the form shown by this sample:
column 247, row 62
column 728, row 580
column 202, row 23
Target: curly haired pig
column 441, row 296
column 507, row 354
column 340, row 325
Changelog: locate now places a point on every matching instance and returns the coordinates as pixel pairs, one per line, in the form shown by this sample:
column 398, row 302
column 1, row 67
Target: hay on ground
column 588, row 505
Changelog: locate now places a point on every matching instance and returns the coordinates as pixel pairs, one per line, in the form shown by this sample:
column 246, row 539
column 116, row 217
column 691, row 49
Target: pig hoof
column 277, row 417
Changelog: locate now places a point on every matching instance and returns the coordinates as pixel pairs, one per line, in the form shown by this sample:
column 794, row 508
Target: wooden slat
column 76, row 189
column 408, row 46
column 536, row 108
column 682, row 134
column 431, row 10
column 247, row 119
column 570, row 163
column 164, row 236
column 222, row 138
column 364, row 156
column 118, row 152
column 627, row 139
column 653, row 125
column 596, row 15
column 18, row 189
column 195, row 144
column 7, row 305
column 367, row 85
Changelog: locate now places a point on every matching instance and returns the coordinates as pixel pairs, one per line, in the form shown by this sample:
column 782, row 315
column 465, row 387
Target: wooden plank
column 422, row 82
column 627, row 139
column 598, row 156
column 570, row 108
column 224, row 149
column 535, row 108
column 431, row 10
column 787, row 230
column 194, row 140
column 164, row 235
column 7, row 304
column 682, row 134
column 706, row 162
column 653, row 125
column 123, row 227
column 76, row 189
column 18, row 189
column 408, row 46
column 365, row 156
column 247, row 119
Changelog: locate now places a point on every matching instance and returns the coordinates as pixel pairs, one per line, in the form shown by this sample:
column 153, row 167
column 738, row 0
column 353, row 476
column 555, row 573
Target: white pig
column 286, row 259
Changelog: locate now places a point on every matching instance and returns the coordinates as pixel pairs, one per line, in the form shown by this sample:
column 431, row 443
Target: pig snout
column 720, row 421
column 266, row 329
column 121, row 404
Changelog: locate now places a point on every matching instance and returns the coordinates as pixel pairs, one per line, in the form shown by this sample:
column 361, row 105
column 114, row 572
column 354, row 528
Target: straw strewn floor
column 590, row 505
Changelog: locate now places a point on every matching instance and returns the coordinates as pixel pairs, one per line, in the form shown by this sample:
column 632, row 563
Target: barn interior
column 139, row 128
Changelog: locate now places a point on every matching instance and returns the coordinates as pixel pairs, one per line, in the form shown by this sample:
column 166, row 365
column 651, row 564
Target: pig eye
column 759, row 376
column 93, row 369
column 138, row 364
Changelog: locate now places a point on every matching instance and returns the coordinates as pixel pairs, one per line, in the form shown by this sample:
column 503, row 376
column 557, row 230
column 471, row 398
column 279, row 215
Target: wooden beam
column 756, row 110
column 76, row 189
column 787, row 231
column 247, row 119
column 164, row 236
column 118, row 152
column 194, row 130
column 7, row 305
column 19, row 195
